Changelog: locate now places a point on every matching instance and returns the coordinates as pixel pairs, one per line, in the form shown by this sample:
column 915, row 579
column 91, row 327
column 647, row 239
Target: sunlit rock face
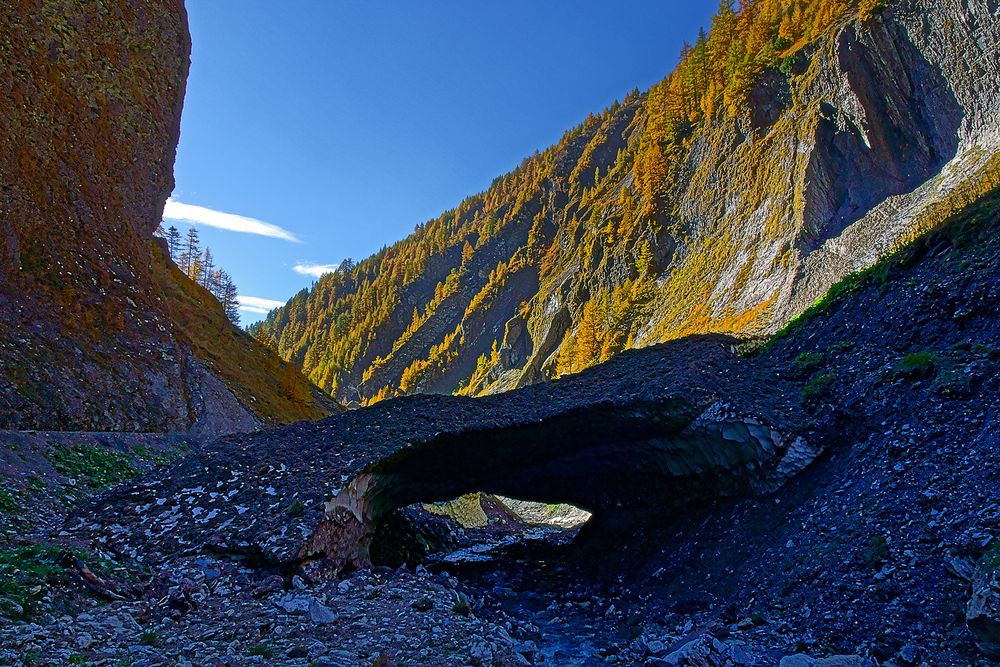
column 649, row 431
column 546, row 514
column 91, row 101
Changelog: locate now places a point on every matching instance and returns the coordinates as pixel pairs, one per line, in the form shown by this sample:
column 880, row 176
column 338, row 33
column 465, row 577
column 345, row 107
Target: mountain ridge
column 697, row 206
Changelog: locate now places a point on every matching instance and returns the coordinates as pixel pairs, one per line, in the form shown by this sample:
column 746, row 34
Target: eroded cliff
column 98, row 330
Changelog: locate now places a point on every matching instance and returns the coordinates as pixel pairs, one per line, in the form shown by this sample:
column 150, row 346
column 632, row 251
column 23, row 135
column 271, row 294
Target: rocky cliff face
column 864, row 137
column 97, row 330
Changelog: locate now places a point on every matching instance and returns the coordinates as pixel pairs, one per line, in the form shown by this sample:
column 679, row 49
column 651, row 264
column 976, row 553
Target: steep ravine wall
column 97, row 330
column 861, row 139
column 957, row 84
column 889, row 118
column 776, row 214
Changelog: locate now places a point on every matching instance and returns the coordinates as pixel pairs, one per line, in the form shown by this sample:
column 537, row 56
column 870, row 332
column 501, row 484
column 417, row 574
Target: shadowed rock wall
column 97, row 330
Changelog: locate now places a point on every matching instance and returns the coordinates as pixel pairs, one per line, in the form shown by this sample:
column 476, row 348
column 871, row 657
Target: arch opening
column 470, row 528
column 642, row 458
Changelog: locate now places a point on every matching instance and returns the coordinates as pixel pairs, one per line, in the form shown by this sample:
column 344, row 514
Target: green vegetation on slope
column 976, row 200
column 274, row 390
column 97, row 468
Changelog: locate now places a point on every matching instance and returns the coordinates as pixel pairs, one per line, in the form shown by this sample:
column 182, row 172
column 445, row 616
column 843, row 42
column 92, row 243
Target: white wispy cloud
column 316, row 270
column 255, row 304
column 199, row 215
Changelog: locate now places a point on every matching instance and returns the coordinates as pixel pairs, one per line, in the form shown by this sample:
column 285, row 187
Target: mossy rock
column 983, row 612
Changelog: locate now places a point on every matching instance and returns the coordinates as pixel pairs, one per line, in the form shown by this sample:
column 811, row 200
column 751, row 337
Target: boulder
column 845, row 661
column 797, row 660
column 701, row 652
column 983, row 611
column 320, row 614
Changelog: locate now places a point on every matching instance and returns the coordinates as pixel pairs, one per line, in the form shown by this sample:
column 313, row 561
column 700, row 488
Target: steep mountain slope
column 98, row 330
column 703, row 546
column 796, row 142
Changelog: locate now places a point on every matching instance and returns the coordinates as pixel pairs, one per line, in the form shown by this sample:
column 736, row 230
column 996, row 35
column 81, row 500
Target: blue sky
column 334, row 126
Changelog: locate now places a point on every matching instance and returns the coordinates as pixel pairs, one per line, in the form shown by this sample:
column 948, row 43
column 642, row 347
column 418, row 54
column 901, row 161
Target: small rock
column 272, row 584
column 657, row 648
column 959, row 567
column 294, row 604
column 526, row 648
column 738, row 654
column 797, row 660
column 698, row 653
column 481, row 653
column 320, row 613
column 909, row 654
column 844, row 661
column 519, row 659
column 298, row 652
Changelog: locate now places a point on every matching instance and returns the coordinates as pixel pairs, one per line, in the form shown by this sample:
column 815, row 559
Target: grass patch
column 150, row 455
column 991, row 559
column 917, row 364
column 818, row 386
column 8, row 502
column 26, row 572
column 979, row 349
column 30, row 658
column 809, row 362
column 877, row 552
column 97, row 468
column 840, row 347
column 262, row 649
column 917, row 360
column 149, row 638
column 462, row 607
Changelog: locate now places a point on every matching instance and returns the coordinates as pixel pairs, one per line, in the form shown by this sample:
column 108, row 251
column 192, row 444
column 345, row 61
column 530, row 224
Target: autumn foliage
column 365, row 333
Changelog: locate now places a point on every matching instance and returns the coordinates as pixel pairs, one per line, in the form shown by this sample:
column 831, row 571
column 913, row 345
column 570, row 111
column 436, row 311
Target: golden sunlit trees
column 599, row 197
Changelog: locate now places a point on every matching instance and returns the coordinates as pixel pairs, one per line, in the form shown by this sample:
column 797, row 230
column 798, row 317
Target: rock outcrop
column 983, row 614
column 98, row 330
column 671, row 426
